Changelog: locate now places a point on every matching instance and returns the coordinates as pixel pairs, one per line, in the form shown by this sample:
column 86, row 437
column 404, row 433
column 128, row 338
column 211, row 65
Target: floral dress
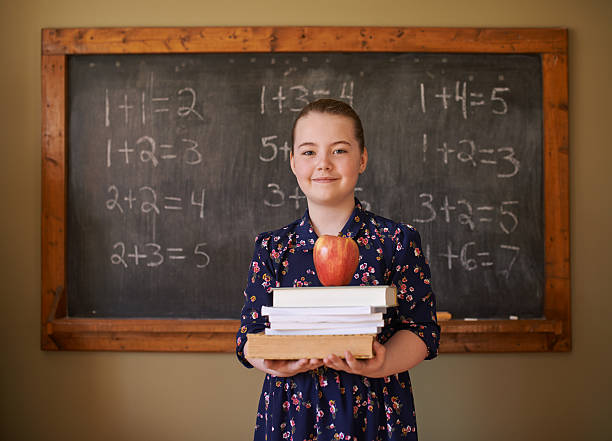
column 325, row 404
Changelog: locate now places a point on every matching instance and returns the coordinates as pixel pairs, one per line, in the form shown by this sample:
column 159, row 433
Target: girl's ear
column 292, row 161
column 364, row 160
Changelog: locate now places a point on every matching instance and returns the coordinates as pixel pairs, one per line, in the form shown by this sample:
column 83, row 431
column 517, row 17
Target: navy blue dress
column 325, row 404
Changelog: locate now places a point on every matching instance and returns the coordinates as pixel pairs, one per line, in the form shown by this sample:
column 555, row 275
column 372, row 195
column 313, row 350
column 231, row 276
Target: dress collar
column 356, row 222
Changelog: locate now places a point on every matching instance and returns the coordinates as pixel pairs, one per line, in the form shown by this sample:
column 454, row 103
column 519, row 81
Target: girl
column 336, row 398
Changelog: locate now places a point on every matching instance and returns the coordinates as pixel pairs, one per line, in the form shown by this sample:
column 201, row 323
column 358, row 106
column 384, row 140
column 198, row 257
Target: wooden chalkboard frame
column 60, row 332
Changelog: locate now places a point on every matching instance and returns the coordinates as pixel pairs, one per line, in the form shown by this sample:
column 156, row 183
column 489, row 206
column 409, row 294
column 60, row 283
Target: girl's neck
column 330, row 220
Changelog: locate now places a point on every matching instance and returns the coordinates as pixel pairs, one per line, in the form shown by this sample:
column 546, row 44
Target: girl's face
column 327, row 159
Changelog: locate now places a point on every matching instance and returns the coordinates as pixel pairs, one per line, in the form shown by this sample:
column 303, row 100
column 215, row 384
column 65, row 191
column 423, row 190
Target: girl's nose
column 324, row 162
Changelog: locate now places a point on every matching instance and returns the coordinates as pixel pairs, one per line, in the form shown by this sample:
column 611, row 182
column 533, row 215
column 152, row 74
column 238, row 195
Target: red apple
column 336, row 259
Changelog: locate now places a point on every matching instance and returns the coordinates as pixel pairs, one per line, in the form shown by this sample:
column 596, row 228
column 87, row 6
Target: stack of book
column 313, row 322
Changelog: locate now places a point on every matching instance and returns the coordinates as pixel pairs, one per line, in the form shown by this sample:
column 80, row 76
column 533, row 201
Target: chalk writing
column 502, row 158
column 147, row 150
column 121, row 107
column 444, row 98
column 470, row 257
column 294, row 98
column 146, row 199
column 153, row 255
column 269, row 149
column 467, row 213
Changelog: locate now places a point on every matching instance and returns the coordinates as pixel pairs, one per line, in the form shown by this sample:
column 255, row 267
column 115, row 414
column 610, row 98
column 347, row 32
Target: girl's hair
column 333, row 107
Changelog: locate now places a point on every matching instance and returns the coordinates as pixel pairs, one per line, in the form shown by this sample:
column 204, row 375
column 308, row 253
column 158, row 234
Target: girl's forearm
column 258, row 363
column 404, row 351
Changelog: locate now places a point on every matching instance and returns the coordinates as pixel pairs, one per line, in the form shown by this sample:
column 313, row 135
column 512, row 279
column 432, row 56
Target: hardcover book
column 379, row 295
column 293, row 347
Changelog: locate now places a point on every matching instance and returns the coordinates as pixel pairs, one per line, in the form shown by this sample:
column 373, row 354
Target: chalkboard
column 177, row 161
column 164, row 151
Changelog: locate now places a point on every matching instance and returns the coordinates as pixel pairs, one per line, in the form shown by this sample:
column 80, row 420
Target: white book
column 378, row 295
column 278, row 318
column 324, row 325
column 318, row 311
column 346, row 331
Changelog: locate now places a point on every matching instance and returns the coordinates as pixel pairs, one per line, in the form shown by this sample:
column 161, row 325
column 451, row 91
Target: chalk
column 443, row 316
column 470, row 319
column 513, row 317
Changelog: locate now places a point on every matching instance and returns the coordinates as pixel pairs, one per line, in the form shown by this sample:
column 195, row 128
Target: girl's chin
column 330, row 200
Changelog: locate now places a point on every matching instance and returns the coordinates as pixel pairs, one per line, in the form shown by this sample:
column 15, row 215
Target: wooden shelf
column 165, row 335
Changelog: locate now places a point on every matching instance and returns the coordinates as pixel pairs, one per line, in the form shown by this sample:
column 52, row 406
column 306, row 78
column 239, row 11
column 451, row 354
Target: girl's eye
column 307, row 152
column 338, row 151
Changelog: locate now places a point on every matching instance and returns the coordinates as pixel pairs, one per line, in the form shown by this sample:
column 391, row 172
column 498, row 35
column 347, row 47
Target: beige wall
column 182, row 397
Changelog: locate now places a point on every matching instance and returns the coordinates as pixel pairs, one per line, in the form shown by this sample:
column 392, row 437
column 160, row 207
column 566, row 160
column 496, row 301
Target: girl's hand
column 369, row 368
column 288, row 368
column 284, row 368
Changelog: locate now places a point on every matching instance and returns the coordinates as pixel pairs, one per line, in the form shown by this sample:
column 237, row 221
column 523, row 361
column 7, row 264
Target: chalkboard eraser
column 443, row 316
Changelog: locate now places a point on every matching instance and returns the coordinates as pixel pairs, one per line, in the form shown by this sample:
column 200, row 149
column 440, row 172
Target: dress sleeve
column 410, row 274
column 258, row 293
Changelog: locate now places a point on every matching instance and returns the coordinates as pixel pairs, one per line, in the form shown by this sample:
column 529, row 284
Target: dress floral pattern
column 325, row 404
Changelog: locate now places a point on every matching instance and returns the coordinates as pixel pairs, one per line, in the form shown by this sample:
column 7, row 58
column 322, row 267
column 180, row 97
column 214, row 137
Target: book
column 325, row 318
column 319, row 311
column 334, row 331
column 339, row 326
column 305, row 296
column 291, row 347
